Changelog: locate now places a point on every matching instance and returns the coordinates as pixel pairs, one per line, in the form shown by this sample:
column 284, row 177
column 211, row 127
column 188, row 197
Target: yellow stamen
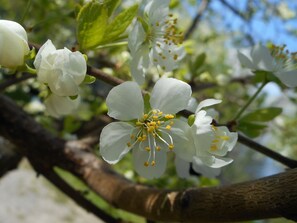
column 171, row 146
column 153, row 163
column 168, row 127
column 147, row 149
column 146, row 164
column 158, row 148
column 128, row 144
column 169, row 116
column 213, row 147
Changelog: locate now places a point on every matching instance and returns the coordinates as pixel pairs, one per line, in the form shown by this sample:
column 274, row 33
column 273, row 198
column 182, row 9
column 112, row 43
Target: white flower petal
column 207, row 171
column 192, row 105
column 113, row 141
column 183, row 141
column 289, row 78
column 262, row 58
column 149, row 172
column 43, row 52
column 207, row 103
column 182, row 167
column 170, row 95
column 246, row 61
column 125, row 102
column 57, row 106
column 139, row 64
column 136, row 38
column 157, row 10
column 219, row 162
column 63, row 84
column 202, row 122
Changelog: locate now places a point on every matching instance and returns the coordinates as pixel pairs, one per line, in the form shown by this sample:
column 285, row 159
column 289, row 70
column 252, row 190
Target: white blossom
column 149, row 132
column 154, row 40
column 207, row 144
column 62, row 70
column 276, row 60
column 58, row 106
column 13, row 44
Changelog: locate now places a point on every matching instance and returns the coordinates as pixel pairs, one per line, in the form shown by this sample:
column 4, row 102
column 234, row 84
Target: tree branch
column 268, row 152
column 202, row 7
column 14, row 80
column 274, row 196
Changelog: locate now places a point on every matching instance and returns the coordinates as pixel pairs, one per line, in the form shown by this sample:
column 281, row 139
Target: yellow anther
column 175, row 56
column 169, row 116
column 154, row 111
column 171, row 123
column 146, row 164
column 225, row 138
column 128, row 144
column 132, row 136
column 157, row 23
column 160, row 113
column 150, row 128
column 139, row 138
column 213, row 147
column 215, row 141
column 145, row 116
column 158, row 148
column 171, row 146
column 155, row 117
column 153, row 163
column 147, row 149
column 168, row 127
column 159, row 122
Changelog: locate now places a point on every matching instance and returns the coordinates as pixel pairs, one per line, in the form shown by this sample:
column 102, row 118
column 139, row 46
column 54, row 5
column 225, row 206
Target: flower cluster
column 155, row 40
column 62, row 71
column 153, row 132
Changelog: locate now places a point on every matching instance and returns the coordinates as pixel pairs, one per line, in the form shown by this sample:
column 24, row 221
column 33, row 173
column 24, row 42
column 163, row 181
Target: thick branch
column 269, row 197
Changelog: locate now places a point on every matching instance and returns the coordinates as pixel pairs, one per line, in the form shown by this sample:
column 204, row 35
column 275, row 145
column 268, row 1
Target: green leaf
column 119, row 24
column 91, row 24
column 112, row 5
column 197, row 64
column 89, row 79
column 251, row 129
column 262, row 115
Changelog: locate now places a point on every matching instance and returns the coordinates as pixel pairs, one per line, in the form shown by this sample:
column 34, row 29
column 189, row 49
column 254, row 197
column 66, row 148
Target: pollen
column 146, row 164
column 171, row 146
column 128, row 144
column 169, row 116
column 168, row 127
column 153, row 163
column 147, row 149
column 213, row 148
column 158, row 148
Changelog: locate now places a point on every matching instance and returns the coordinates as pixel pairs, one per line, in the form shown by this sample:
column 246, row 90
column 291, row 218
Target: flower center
column 218, row 140
column 284, row 58
column 152, row 134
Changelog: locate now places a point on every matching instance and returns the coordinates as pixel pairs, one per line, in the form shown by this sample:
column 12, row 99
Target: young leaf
column 91, row 24
column 89, row 79
column 112, row 5
column 262, row 115
column 197, row 64
column 119, row 24
column 251, row 129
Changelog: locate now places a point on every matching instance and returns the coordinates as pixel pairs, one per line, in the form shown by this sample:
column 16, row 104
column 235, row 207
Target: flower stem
column 250, row 100
column 30, row 70
column 112, row 45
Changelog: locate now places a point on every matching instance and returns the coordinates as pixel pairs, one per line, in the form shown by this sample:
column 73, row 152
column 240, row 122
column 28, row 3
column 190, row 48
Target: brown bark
column 269, row 197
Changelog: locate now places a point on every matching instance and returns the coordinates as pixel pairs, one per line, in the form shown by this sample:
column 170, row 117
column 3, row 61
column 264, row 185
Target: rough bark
column 274, row 196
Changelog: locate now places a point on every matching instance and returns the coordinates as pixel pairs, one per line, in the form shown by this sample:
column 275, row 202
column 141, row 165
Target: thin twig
column 266, row 151
column 11, row 81
column 202, row 8
column 103, row 76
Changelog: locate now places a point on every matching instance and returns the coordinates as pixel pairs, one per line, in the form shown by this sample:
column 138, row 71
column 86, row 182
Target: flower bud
column 62, row 70
column 13, row 44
